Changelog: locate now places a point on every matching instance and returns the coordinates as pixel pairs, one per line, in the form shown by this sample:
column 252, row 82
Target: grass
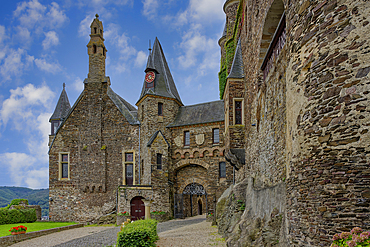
column 33, row 227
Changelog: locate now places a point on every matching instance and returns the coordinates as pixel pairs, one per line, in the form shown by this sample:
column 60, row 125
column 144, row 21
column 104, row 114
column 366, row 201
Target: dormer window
column 54, row 126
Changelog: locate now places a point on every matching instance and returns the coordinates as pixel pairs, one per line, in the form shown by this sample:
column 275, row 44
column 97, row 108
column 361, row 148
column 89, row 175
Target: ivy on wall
column 230, row 46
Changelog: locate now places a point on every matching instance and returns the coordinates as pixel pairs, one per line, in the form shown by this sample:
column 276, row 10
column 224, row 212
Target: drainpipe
column 139, row 157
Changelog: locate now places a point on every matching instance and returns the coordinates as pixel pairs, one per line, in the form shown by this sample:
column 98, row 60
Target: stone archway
column 192, row 197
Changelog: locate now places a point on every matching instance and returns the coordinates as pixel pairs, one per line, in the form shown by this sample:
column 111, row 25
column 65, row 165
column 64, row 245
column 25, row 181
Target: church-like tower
column 60, row 112
column 97, row 52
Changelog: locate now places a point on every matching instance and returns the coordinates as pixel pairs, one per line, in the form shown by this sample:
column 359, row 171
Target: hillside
column 35, row 197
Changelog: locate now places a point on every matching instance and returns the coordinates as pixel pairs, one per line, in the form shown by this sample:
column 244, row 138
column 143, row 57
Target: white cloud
column 150, row 8
column 141, row 58
column 2, row 34
column 42, row 64
column 55, row 17
column 51, row 39
column 84, row 28
column 14, row 62
column 24, row 170
column 19, row 106
column 78, row 85
column 28, row 109
column 30, row 13
column 206, row 10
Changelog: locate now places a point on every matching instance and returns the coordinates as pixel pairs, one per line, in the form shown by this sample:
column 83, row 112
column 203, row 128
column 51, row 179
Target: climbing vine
column 230, row 46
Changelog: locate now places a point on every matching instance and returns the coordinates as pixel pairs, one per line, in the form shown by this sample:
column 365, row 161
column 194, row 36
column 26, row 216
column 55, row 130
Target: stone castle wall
column 95, row 171
column 307, row 122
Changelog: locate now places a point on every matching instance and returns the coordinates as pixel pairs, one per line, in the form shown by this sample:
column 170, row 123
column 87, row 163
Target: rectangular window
column 129, row 168
column 222, row 170
column 159, row 161
column 216, row 136
column 186, row 138
column 64, row 166
column 160, row 109
column 238, row 112
column 54, row 126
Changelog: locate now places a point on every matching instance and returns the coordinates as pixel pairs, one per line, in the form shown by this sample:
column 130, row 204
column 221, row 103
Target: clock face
column 149, row 77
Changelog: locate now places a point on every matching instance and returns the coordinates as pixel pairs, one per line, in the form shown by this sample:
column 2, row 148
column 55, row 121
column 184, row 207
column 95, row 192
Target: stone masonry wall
column 307, row 123
column 95, row 172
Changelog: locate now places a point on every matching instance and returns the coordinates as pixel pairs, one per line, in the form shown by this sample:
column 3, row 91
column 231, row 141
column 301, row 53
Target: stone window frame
column 60, row 173
column 160, row 109
column 242, row 103
column 219, row 169
column 128, row 162
column 185, row 143
column 213, row 135
column 159, row 161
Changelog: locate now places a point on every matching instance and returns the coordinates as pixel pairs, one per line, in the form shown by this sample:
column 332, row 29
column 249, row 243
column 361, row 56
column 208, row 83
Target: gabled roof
column 164, row 84
column 237, row 68
column 127, row 110
column 198, row 114
column 151, row 140
column 62, row 107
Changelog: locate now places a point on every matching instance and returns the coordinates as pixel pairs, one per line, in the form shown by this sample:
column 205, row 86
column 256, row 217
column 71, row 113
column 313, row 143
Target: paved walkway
column 193, row 231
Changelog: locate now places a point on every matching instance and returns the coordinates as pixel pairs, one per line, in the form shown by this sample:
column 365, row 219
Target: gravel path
column 193, row 231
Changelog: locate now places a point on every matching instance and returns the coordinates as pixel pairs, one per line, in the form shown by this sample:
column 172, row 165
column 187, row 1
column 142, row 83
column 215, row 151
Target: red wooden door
column 137, row 208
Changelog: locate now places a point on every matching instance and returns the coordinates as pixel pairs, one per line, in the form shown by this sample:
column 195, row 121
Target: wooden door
column 137, row 208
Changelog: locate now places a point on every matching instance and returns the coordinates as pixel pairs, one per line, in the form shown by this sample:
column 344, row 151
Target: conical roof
column 63, row 106
column 164, row 84
column 237, row 68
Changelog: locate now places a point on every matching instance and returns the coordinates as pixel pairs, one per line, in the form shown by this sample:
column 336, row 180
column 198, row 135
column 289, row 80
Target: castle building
column 106, row 154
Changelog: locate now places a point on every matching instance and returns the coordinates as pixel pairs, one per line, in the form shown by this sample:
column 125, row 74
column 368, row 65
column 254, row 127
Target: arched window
column 94, row 29
column 94, row 47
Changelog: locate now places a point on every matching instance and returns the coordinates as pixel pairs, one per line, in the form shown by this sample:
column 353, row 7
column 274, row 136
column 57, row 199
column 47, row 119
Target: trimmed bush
column 16, row 202
column 17, row 216
column 141, row 233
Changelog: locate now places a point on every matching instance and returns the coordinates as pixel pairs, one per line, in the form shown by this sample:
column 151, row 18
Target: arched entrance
column 184, row 203
column 137, row 208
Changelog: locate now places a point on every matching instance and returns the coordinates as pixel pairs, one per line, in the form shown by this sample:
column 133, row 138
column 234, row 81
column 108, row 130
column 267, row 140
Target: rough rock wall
column 95, row 173
column 307, row 121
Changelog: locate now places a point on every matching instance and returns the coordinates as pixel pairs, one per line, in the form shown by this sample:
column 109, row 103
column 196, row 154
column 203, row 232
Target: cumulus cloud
column 150, row 8
column 78, row 85
column 141, row 58
column 43, row 65
column 51, row 39
column 84, row 27
column 23, row 170
column 14, row 62
column 28, row 109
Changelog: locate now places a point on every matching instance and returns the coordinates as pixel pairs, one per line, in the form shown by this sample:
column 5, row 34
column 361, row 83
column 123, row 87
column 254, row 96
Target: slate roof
column 237, row 68
column 62, row 107
column 164, row 84
column 127, row 110
column 201, row 113
column 151, row 140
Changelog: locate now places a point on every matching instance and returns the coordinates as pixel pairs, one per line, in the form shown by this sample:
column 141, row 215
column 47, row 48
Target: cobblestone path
column 98, row 236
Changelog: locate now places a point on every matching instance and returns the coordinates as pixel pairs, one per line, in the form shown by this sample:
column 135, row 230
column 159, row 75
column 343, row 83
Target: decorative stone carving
column 178, row 141
column 199, row 139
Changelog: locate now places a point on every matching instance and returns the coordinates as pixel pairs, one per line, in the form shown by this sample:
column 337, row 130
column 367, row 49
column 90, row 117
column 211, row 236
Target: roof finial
column 64, row 85
column 150, row 48
column 97, row 16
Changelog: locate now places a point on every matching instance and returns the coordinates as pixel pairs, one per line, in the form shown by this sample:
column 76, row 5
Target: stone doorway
column 137, row 208
column 189, row 203
column 200, row 205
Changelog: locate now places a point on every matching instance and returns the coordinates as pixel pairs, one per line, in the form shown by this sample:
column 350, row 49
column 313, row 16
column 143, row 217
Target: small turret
column 60, row 112
column 97, row 52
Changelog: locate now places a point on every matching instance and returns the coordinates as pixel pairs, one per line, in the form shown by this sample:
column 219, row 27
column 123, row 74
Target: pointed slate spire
column 237, row 68
column 164, row 84
column 63, row 106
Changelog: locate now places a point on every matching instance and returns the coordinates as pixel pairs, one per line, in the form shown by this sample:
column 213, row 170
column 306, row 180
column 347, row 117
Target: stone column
column 147, row 204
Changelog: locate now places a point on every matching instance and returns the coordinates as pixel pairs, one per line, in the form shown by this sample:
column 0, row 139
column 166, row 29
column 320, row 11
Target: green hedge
column 16, row 202
column 17, row 216
column 141, row 233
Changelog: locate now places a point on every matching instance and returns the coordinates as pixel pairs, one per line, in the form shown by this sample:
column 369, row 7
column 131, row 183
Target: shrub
column 17, row 216
column 357, row 237
column 141, row 233
column 158, row 213
column 16, row 202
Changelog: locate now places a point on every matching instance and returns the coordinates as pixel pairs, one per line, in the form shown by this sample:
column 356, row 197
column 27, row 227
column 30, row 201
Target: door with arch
column 137, row 208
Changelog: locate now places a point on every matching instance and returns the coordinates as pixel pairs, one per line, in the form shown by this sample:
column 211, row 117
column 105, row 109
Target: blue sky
column 43, row 45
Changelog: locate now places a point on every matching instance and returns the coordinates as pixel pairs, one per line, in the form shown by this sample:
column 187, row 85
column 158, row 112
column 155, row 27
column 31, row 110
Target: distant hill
column 35, row 197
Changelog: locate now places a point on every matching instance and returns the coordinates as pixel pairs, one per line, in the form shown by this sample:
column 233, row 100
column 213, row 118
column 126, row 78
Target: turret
column 97, row 52
column 61, row 110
